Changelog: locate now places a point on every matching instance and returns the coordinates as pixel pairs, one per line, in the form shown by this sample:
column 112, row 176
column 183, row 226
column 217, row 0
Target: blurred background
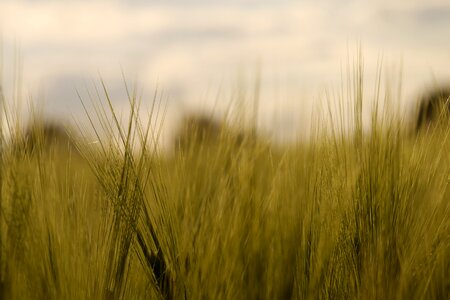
column 201, row 54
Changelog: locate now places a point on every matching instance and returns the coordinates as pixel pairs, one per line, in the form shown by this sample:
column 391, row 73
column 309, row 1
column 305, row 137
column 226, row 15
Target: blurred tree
column 433, row 104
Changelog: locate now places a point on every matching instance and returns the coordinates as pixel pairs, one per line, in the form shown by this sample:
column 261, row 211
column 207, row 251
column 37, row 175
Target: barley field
column 347, row 214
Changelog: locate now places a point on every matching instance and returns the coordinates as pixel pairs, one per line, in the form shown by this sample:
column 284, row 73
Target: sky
column 200, row 53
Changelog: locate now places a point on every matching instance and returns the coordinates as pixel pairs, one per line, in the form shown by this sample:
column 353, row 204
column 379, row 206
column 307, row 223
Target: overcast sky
column 191, row 49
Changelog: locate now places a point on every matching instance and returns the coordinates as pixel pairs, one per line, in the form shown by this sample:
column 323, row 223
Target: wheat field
column 344, row 215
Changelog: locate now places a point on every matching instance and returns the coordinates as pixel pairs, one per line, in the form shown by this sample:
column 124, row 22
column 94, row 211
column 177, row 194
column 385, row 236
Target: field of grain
column 361, row 214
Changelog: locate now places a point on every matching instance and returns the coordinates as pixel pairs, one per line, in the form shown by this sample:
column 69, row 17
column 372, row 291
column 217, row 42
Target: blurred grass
column 361, row 215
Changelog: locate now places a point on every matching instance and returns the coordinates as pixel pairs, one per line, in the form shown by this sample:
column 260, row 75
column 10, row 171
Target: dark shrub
column 432, row 105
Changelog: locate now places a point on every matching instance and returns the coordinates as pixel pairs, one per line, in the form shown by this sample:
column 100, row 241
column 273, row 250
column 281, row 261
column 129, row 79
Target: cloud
column 188, row 48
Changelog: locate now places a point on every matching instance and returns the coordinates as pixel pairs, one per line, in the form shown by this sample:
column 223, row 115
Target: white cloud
column 187, row 47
